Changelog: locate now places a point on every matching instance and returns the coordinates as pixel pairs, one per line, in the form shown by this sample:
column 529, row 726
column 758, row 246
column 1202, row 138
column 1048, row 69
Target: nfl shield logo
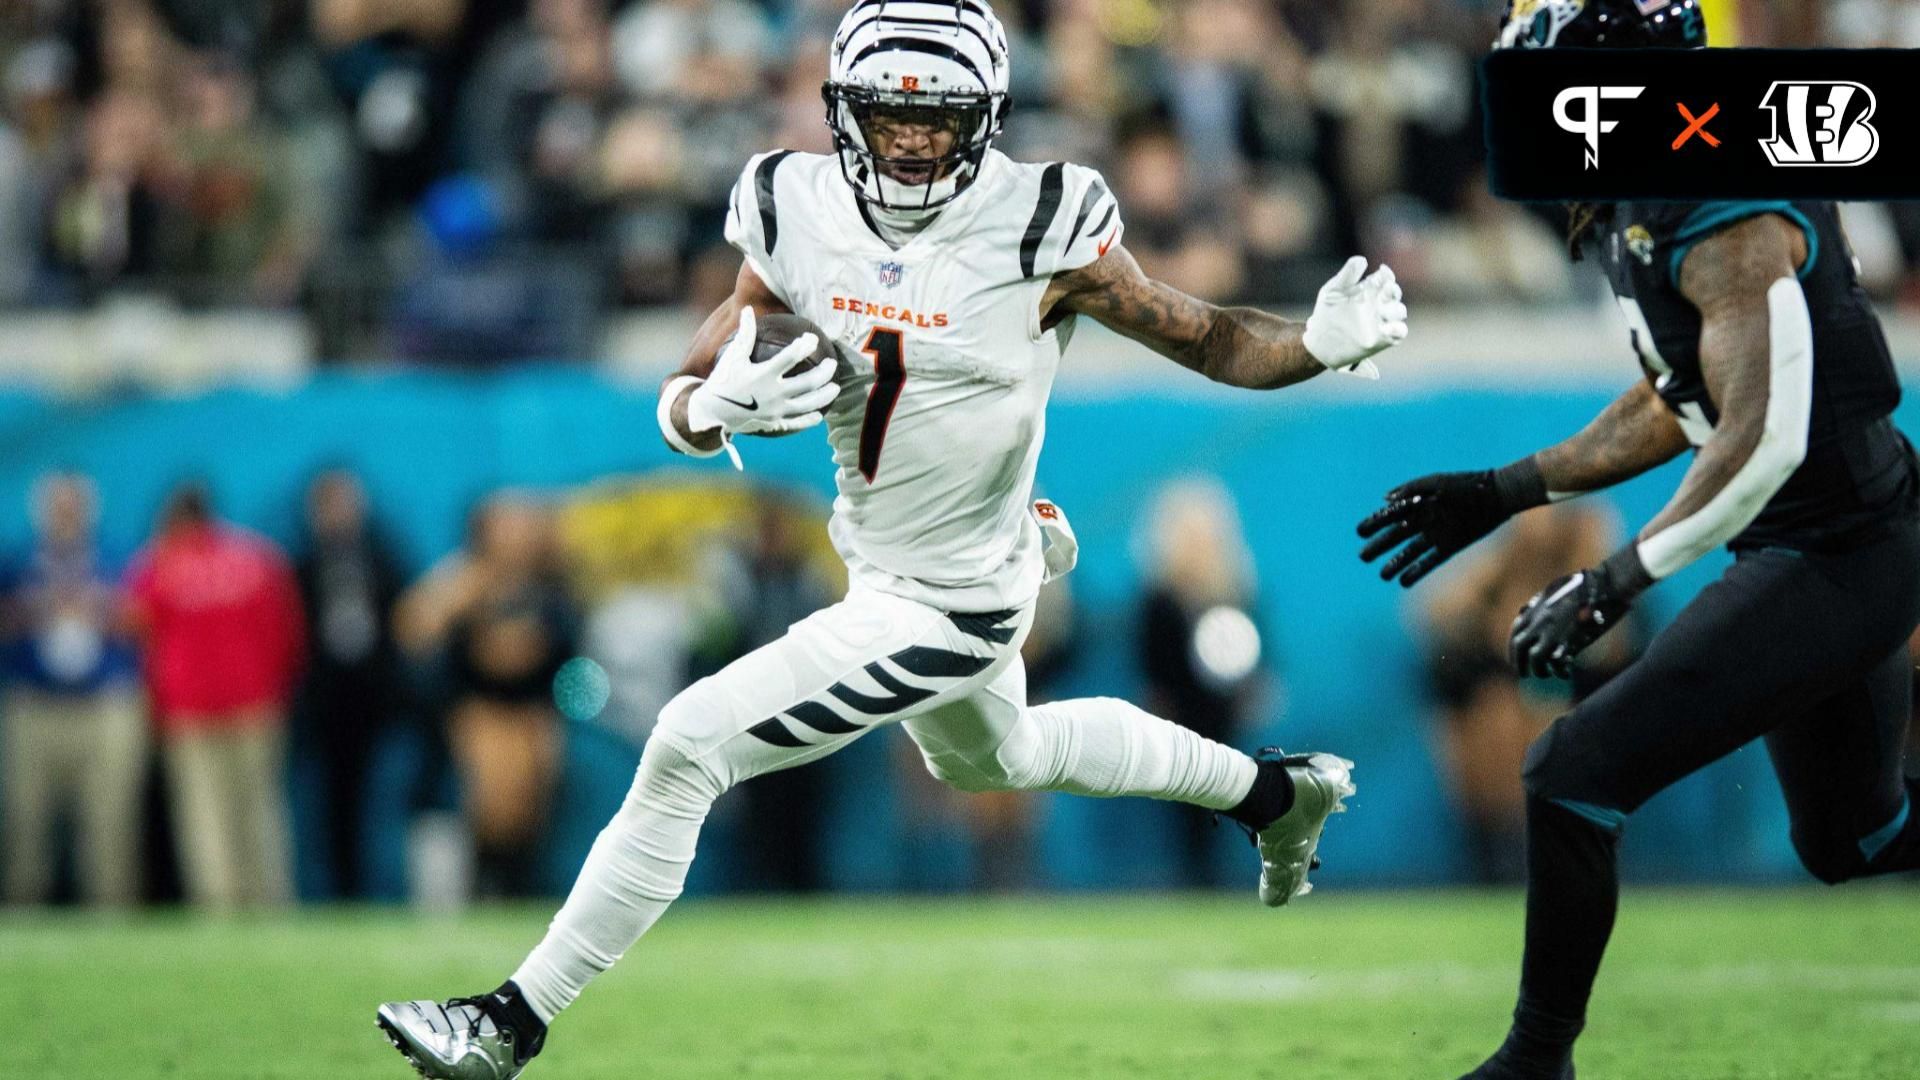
column 890, row 273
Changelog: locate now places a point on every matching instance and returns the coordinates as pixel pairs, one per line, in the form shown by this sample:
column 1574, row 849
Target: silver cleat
column 456, row 1040
column 1321, row 784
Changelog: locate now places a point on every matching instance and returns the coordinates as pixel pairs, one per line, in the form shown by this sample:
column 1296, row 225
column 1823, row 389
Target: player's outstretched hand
column 1560, row 621
column 1356, row 315
column 744, row 398
column 1431, row 519
column 1572, row 613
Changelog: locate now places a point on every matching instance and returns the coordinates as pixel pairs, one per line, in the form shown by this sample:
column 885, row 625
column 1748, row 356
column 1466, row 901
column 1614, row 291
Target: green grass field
column 1395, row 985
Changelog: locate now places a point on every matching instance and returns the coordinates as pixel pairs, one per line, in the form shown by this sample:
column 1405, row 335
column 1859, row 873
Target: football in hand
column 776, row 332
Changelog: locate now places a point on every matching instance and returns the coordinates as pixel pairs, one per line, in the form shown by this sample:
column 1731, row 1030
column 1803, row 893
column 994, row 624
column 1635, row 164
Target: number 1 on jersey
column 889, row 376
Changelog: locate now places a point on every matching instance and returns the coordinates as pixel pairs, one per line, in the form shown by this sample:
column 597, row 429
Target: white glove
column 1356, row 317
column 741, row 397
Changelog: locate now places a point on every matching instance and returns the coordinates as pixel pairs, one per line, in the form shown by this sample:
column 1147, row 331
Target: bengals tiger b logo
column 1820, row 123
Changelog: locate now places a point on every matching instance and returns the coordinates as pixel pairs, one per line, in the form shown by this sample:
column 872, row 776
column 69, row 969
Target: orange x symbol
column 1697, row 125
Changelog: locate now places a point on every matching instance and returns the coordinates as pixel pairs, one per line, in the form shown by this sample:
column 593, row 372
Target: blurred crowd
column 229, row 665
column 164, row 713
column 217, row 719
column 451, row 178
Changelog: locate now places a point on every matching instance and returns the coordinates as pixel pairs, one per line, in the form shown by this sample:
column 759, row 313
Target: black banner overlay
column 1605, row 124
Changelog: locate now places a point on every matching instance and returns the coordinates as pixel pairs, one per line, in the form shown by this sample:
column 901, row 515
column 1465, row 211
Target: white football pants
column 954, row 681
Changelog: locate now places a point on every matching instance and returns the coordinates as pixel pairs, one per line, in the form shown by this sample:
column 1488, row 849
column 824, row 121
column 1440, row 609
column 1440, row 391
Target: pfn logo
column 1825, row 124
column 1588, row 124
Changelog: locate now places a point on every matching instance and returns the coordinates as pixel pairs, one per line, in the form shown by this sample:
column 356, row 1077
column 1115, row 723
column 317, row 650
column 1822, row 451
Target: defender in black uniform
column 1761, row 351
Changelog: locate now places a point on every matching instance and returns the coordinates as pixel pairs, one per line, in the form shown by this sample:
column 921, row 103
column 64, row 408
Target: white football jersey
column 944, row 371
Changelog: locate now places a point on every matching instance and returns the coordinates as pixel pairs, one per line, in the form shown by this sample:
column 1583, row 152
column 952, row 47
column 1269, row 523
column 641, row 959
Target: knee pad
column 670, row 781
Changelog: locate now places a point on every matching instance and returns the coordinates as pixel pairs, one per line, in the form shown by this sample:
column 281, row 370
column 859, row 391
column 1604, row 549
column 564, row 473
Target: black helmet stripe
column 898, row 19
column 920, row 45
column 959, row 6
column 882, row 59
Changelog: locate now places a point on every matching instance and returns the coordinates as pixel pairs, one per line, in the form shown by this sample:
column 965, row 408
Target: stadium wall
column 1304, row 467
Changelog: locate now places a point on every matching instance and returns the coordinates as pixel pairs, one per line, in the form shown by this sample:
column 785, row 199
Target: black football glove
column 1572, row 613
column 1439, row 515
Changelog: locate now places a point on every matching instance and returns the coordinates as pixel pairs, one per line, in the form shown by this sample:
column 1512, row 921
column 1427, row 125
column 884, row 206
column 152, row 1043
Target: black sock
column 529, row 1031
column 1539, row 1043
column 1573, row 888
column 1268, row 800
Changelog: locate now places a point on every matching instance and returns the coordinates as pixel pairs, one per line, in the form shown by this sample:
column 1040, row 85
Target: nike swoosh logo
column 751, row 404
column 1572, row 584
column 1108, row 242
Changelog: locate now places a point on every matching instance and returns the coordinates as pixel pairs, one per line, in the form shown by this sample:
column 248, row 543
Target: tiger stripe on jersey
column 763, row 186
column 1044, row 211
column 1104, row 218
column 1096, row 193
column 923, row 661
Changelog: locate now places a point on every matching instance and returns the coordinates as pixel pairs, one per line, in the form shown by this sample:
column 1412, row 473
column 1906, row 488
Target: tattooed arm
column 1756, row 356
column 1237, row 346
column 1727, row 276
column 1635, row 433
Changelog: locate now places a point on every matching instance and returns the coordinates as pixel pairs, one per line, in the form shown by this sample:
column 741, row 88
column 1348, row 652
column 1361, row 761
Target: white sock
column 1107, row 747
column 636, row 868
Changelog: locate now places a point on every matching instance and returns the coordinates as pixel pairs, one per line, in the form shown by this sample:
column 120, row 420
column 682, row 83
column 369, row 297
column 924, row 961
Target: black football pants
column 1809, row 651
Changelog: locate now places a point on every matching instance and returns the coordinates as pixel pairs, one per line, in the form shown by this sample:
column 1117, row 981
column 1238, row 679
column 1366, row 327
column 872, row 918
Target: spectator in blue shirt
column 75, row 731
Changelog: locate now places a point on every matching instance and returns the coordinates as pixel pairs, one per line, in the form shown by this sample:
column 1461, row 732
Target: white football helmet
column 937, row 62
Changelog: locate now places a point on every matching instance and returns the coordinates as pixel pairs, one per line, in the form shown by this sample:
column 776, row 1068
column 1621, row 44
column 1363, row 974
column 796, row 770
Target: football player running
column 1761, row 351
column 954, row 275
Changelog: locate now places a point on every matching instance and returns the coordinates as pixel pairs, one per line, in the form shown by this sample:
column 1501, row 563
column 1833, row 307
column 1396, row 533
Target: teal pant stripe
column 1876, row 841
column 1611, row 820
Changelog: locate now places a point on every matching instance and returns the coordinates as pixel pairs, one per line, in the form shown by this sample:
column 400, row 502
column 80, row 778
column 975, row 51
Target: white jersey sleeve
column 1077, row 221
column 753, row 221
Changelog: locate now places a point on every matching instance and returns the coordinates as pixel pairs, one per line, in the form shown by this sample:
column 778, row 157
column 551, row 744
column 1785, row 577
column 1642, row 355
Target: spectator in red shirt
column 219, row 612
